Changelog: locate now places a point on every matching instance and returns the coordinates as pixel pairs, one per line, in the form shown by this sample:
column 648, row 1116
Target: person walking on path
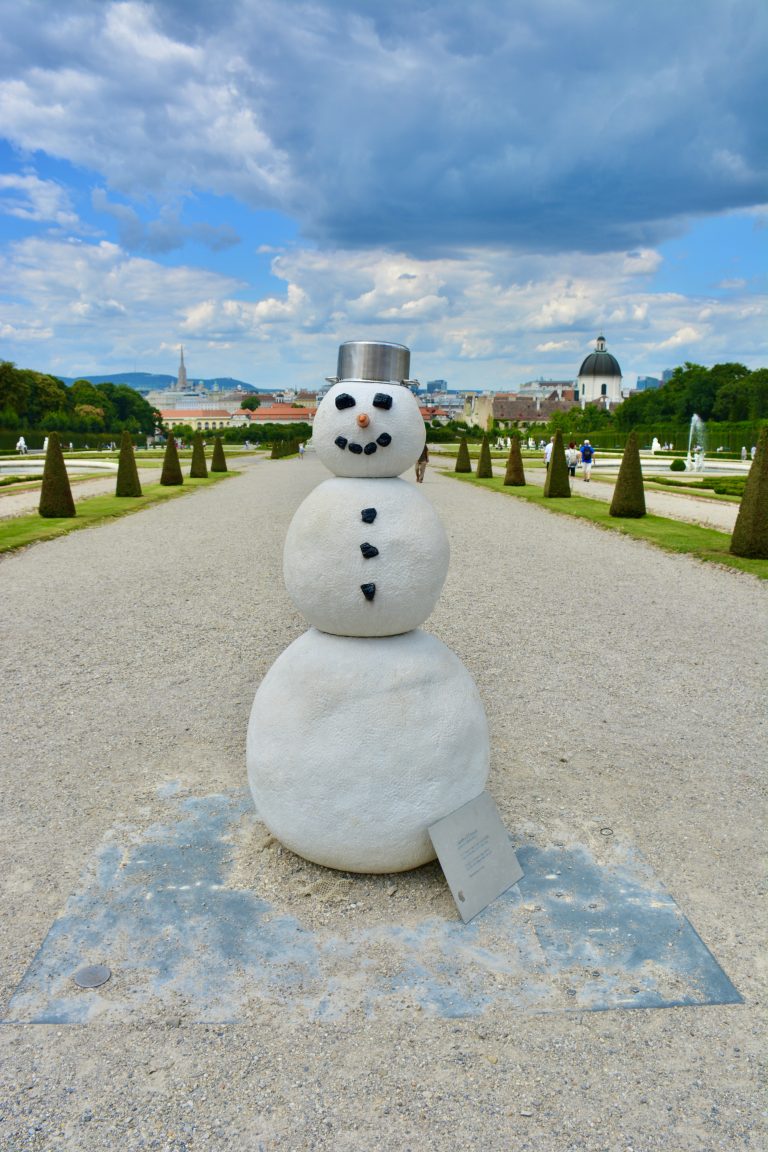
column 421, row 465
column 572, row 458
column 587, row 456
column 548, row 451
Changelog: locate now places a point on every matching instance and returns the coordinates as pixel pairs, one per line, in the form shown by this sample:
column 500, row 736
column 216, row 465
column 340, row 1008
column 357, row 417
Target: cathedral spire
column 181, row 382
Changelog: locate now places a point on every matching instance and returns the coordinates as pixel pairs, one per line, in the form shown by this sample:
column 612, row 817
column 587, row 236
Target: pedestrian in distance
column 421, row 465
column 587, row 456
column 572, row 458
column 21, row 446
column 548, row 451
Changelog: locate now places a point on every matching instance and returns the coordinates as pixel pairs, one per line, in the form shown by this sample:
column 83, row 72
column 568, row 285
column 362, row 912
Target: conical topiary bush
column 484, row 466
column 463, row 462
column 750, row 533
column 218, row 460
column 55, row 493
column 557, row 483
column 171, row 473
column 629, row 495
column 128, row 483
column 198, row 469
column 515, row 475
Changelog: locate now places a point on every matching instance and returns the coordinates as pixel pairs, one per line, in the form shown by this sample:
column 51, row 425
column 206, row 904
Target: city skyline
column 493, row 187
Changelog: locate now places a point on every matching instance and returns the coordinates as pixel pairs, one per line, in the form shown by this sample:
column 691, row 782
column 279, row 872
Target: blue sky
column 492, row 184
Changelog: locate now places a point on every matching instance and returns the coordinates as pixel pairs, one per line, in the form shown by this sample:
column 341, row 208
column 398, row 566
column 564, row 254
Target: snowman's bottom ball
column 356, row 745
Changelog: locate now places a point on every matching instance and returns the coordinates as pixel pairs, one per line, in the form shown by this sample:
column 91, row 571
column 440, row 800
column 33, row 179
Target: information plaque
column 476, row 855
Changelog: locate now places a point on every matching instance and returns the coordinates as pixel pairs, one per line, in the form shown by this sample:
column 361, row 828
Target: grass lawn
column 671, row 535
column 19, row 531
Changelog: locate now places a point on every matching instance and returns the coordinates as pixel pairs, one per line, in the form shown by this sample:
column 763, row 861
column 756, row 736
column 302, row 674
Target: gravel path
column 624, row 687
column 15, row 503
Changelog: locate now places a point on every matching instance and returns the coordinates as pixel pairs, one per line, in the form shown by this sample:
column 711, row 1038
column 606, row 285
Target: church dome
column 600, row 362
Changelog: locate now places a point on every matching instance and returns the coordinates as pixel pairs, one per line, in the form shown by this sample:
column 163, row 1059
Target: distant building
column 667, row 375
column 207, row 419
column 599, row 377
column 646, row 383
column 437, row 385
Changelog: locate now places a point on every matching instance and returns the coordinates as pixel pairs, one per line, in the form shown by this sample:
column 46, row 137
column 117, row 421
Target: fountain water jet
column 694, row 461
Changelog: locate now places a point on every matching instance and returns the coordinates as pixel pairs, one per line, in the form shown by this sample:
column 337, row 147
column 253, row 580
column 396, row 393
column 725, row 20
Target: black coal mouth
column 363, row 449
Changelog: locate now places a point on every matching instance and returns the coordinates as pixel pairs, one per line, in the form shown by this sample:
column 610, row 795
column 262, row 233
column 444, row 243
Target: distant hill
column 150, row 381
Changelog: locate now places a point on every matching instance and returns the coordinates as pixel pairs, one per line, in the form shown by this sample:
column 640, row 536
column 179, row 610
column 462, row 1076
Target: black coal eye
column 381, row 400
column 346, row 401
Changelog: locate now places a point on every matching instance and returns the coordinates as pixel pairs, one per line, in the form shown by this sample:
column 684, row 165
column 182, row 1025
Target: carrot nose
column 363, row 419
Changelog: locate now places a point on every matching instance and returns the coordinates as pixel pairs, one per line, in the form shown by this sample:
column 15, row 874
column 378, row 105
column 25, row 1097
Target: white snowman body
column 366, row 730
column 352, row 534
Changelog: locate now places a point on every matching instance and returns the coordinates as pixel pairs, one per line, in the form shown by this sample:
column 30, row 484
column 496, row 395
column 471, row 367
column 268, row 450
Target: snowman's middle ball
column 387, row 440
column 351, row 535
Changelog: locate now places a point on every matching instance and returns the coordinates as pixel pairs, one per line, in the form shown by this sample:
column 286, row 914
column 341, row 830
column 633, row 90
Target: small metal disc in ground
column 93, row 976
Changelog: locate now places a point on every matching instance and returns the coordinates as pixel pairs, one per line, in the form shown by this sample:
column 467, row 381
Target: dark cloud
column 165, row 233
column 425, row 126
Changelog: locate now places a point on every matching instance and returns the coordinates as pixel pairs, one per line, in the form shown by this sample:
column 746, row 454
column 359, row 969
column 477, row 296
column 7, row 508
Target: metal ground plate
column 205, row 916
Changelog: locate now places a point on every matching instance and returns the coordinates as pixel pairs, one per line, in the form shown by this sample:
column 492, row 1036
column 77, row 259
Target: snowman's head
column 368, row 429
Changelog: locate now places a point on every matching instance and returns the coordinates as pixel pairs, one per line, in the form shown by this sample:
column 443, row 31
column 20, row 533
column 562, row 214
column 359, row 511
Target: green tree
column 47, row 394
column 14, row 390
column 128, row 483
column 463, row 462
column 55, row 493
column 629, row 495
column 750, row 533
column 198, row 469
column 171, row 473
column 484, row 465
column 250, row 403
column 219, row 460
column 557, row 483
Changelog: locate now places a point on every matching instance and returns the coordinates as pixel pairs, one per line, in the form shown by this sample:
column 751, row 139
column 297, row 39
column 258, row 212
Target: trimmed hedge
column 55, row 494
column 557, row 483
column 463, row 462
column 198, row 469
column 171, row 473
column 219, row 460
column 514, row 477
column 750, row 533
column 484, row 466
column 629, row 495
column 128, row 483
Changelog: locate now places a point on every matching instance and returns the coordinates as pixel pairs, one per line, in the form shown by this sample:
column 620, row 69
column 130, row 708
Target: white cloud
column 27, row 197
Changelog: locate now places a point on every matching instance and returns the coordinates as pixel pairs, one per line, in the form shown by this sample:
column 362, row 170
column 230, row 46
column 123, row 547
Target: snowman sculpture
column 366, row 730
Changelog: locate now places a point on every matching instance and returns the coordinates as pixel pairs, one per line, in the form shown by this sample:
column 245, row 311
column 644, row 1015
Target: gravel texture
column 624, row 687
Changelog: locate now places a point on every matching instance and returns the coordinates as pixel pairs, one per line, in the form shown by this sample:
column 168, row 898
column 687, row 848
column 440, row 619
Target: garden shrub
column 484, row 466
column 128, row 483
column 463, row 462
column 557, row 483
column 677, row 465
column 515, row 474
column 171, row 473
column 750, row 533
column 198, row 469
column 219, row 460
column 629, row 495
column 55, row 493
